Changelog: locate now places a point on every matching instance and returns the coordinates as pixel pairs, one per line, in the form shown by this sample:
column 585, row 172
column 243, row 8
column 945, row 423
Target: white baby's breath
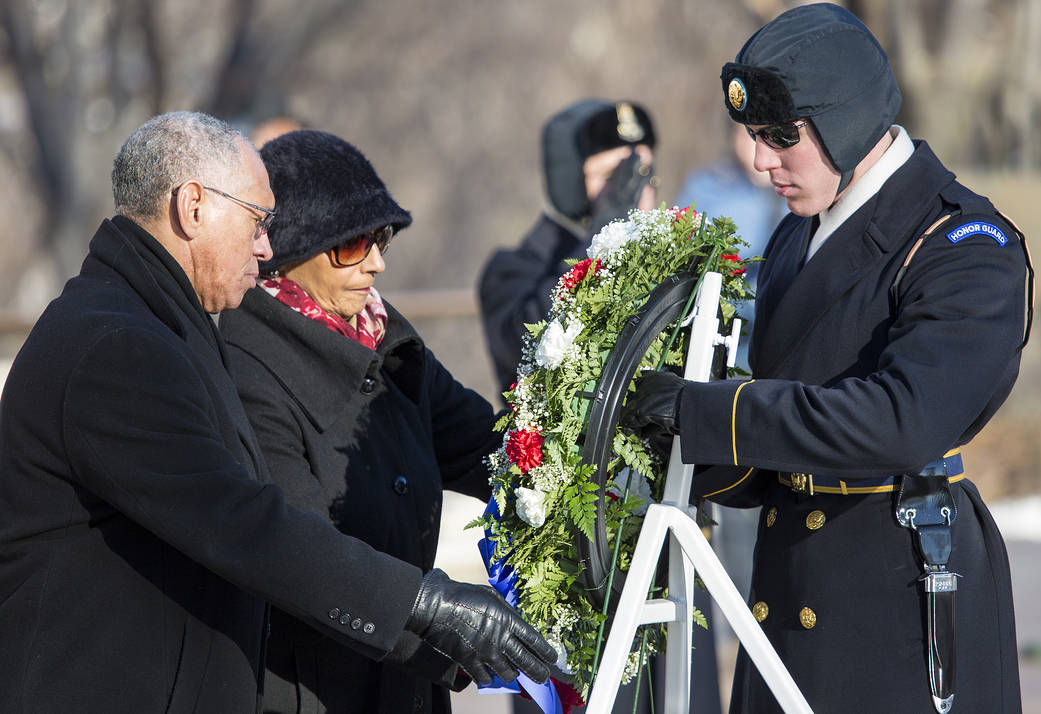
column 612, row 237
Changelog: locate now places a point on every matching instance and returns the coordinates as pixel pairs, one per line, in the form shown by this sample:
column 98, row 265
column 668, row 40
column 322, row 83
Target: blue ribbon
column 503, row 578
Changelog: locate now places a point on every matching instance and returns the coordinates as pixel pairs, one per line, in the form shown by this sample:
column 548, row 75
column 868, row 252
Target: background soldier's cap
column 580, row 130
column 817, row 62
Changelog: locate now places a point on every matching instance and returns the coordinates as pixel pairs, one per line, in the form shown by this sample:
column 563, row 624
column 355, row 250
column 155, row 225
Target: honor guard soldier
column 892, row 308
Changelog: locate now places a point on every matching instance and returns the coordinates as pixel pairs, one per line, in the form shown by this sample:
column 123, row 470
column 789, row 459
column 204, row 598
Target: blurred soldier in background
column 597, row 158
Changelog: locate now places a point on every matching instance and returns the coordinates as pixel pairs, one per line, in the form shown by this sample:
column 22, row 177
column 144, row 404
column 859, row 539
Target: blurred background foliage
column 447, row 98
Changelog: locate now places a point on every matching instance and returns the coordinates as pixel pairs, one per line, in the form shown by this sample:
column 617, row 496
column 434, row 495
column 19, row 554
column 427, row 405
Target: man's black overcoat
column 138, row 541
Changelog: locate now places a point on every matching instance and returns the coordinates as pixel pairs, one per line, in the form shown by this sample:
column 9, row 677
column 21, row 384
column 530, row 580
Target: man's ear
column 187, row 209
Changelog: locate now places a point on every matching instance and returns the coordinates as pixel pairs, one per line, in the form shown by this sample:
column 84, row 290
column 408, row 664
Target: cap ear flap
column 562, row 159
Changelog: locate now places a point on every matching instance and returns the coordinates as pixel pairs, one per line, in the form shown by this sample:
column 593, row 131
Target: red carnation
column 568, row 695
column 524, row 448
column 578, row 271
column 736, row 259
column 682, row 213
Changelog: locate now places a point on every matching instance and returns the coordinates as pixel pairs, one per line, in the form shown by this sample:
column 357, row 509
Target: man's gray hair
column 164, row 152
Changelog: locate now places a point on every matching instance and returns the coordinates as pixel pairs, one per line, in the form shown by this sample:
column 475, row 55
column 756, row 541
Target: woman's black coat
column 365, row 438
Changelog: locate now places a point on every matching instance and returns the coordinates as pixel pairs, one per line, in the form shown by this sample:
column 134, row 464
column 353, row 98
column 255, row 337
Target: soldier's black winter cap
column 822, row 63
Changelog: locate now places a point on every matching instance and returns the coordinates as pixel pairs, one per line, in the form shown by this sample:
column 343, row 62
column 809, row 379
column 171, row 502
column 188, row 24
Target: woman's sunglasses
column 356, row 249
column 779, row 136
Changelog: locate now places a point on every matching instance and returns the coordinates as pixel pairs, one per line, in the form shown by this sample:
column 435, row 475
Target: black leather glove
column 654, row 407
column 474, row 626
column 621, row 192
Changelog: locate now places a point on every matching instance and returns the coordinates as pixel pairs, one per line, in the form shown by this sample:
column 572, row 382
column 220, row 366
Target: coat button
column 401, row 485
column 356, row 624
column 808, row 618
column 345, row 618
column 368, row 385
column 760, row 611
column 771, row 517
column 334, row 613
column 815, row 520
column 369, row 628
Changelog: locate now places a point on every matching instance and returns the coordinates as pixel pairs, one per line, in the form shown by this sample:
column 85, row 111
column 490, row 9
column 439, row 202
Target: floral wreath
column 543, row 496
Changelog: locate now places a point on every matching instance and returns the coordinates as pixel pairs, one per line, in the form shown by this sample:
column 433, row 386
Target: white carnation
column 612, row 237
column 531, row 506
column 561, row 662
column 557, row 341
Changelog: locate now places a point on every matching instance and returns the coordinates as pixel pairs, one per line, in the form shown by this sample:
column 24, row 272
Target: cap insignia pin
column 737, row 95
column 629, row 128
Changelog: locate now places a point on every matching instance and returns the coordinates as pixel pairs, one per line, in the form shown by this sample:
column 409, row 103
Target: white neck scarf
column 862, row 189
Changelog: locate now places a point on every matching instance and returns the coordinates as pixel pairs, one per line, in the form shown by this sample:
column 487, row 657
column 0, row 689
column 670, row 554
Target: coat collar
column 154, row 274
column 882, row 225
column 322, row 369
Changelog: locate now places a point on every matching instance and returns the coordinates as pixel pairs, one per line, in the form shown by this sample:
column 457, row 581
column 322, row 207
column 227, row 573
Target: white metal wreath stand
column 688, row 551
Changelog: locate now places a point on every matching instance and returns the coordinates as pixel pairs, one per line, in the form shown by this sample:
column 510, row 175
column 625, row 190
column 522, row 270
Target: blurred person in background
column 357, row 420
column 141, row 540
column 891, row 312
column 597, row 160
column 268, row 129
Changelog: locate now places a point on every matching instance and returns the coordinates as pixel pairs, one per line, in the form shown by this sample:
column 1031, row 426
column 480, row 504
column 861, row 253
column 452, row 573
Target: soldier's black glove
column 474, row 626
column 653, row 409
column 621, row 192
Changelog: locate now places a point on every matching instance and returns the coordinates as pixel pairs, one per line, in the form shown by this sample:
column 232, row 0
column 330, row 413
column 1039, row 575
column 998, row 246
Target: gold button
column 760, row 611
column 815, row 520
column 771, row 517
column 808, row 618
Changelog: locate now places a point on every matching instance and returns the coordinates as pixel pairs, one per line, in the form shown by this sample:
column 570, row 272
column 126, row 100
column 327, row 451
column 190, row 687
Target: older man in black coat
column 139, row 543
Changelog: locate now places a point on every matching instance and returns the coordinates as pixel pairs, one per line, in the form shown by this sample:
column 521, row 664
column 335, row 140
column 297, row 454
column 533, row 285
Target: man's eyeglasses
column 263, row 224
column 355, row 250
column 779, row 136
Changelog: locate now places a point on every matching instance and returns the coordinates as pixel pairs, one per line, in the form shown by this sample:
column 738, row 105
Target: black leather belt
column 951, row 464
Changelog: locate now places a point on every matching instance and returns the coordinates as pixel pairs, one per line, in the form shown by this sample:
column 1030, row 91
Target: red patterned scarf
column 368, row 327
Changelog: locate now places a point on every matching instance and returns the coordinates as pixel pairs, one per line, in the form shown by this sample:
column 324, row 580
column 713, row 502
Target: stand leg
column 634, row 610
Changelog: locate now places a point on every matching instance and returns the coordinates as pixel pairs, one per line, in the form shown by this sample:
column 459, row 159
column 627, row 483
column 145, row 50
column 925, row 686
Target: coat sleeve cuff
column 710, row 421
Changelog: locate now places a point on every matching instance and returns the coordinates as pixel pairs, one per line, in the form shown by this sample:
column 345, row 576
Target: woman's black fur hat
column 819, row 62
column 326, row 191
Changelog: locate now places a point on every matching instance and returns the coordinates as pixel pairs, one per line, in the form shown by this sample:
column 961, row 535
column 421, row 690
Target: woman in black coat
column 356, row 418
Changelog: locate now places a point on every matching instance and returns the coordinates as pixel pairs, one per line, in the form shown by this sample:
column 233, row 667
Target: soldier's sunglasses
column 779, row 136
column 355, row 250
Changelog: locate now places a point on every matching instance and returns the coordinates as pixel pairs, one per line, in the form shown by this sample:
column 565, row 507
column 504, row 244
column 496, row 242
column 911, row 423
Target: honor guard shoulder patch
column 975, row 228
